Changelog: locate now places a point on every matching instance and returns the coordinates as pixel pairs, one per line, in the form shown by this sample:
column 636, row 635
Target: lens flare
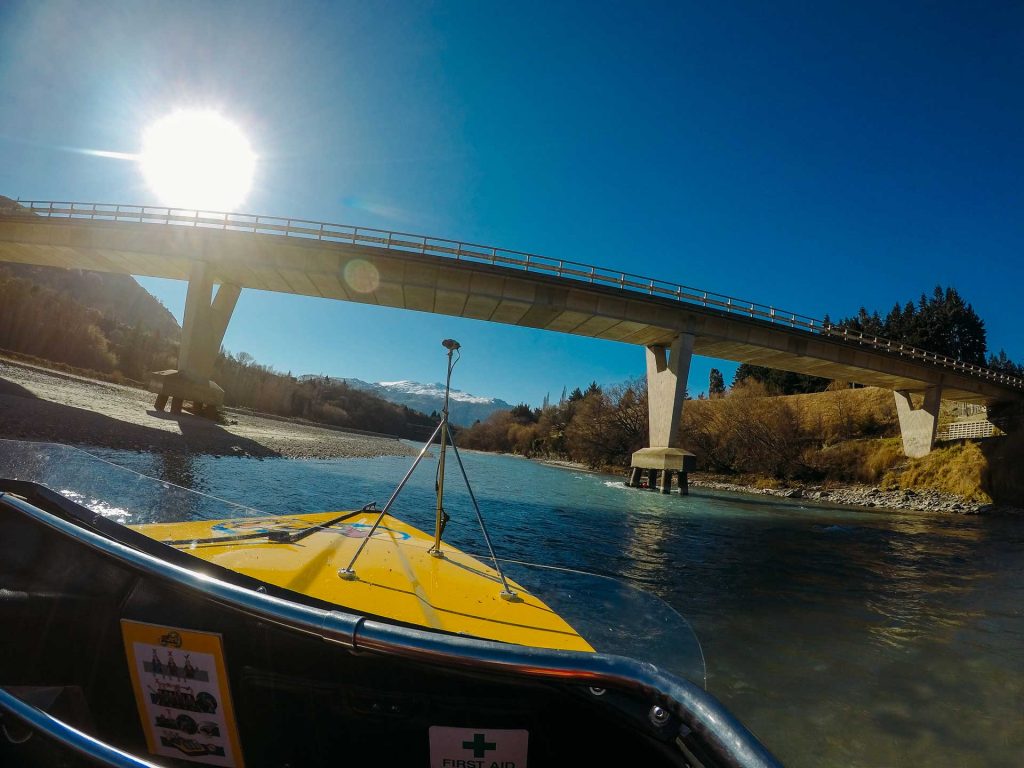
column 197, row 159
column 361, row 276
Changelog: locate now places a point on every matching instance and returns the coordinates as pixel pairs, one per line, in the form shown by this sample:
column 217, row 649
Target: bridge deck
column 464, row 282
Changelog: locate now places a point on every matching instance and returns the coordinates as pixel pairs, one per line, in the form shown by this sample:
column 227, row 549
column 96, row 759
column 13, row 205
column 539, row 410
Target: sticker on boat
column 477, row 747
column 288, row 524
column 181, row 690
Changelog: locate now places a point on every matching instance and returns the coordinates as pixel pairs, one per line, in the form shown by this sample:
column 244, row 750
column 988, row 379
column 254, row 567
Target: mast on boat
column 452, row 346
column 349, row 573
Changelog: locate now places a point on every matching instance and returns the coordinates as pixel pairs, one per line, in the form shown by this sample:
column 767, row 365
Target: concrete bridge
column 394, row 269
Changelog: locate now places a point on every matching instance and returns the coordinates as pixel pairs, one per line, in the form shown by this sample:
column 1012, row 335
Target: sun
column 197, row 159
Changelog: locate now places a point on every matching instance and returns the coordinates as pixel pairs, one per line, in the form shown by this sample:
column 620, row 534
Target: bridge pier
column 205, row 322
column 918, row 426
column 667, row 369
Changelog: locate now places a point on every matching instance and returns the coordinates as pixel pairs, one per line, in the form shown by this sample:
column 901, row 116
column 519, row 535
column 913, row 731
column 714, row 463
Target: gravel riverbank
column 923, row 500
column 48, row 406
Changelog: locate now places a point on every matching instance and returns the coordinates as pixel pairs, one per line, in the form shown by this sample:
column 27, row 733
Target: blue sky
column 819, row 157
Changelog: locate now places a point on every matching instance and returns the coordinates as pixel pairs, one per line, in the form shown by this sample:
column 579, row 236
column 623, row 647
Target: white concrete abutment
column 667, row 371
column 918, row 425
column 202, row 333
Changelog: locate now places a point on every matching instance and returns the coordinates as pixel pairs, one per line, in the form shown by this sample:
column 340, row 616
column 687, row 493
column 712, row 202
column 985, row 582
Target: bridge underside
column 468, row 289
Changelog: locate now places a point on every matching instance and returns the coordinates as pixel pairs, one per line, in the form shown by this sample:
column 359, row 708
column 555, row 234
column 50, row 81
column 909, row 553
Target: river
column 841, row 637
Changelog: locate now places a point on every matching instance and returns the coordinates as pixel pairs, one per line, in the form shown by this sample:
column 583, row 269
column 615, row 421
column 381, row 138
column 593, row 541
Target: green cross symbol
column 478, row 745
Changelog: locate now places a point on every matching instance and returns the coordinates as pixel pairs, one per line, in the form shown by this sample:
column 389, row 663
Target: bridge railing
column 503, row 257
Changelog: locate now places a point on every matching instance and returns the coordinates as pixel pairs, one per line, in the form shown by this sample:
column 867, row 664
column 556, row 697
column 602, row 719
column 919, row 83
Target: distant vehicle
column 209, row 729
column 179, row 697
column 189, row 747
column 179, row 723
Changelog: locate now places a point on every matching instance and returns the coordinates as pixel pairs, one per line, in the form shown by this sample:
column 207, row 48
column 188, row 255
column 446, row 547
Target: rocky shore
column 924, row 500
column 41, row 405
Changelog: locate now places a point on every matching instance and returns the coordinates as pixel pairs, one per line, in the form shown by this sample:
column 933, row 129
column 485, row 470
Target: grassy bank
column 843, row 437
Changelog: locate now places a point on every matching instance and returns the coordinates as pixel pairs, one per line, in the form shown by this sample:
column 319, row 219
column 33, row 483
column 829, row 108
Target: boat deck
column 397, row 577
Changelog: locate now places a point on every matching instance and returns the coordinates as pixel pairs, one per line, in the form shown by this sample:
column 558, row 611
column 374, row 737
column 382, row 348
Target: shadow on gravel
column 197, row 430
column 14, row 390
column 31, row 418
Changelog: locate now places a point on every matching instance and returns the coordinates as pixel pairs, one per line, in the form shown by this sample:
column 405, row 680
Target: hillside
column 117, row 297
column 92, row 321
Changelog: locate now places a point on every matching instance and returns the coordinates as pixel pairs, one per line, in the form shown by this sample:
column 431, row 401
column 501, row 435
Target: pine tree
column 716, row 384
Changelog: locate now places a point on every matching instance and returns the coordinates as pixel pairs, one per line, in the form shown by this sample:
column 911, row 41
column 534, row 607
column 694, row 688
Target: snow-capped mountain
column 463, row 408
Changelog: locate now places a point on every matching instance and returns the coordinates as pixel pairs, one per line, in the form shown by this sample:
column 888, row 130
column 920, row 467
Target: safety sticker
column 181, row 690
column 477, row 747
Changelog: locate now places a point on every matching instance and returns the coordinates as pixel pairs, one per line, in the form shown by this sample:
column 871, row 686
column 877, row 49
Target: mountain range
column 463, row 408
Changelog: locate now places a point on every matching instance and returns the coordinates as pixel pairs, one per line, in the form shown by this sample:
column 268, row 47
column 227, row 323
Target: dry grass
column 962, row 470
column 857, row 461
column 844, row 436
column 843, row 414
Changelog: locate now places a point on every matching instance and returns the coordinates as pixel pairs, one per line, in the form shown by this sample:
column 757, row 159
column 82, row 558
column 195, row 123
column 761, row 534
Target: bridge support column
column 667, row 369
column 206, row 320
column 918, row 426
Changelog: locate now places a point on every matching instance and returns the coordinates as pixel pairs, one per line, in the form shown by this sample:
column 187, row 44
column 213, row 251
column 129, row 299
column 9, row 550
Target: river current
column 841, row 637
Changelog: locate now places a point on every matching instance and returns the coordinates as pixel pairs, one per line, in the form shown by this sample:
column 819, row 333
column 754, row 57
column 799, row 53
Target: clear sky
column 816, row 156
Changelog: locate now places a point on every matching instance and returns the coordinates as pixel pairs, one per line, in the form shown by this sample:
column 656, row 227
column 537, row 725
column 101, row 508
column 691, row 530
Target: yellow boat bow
column 397, row 577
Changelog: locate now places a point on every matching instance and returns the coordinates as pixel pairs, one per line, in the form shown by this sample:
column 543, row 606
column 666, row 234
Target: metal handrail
column 501, row 257
column 698, row 710
column 79, row 742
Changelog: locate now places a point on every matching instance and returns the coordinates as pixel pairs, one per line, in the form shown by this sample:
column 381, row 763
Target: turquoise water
column 841, row 637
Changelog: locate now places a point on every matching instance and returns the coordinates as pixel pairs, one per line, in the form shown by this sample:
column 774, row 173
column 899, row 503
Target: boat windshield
column 612, row 616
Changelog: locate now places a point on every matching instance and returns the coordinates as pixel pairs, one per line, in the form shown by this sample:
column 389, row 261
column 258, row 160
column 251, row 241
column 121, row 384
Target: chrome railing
column 503, row 257
column 97, row 752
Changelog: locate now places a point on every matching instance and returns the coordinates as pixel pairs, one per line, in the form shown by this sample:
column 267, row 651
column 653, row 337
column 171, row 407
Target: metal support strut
column 507, row 592
column 452, row 346
column 348, row 572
